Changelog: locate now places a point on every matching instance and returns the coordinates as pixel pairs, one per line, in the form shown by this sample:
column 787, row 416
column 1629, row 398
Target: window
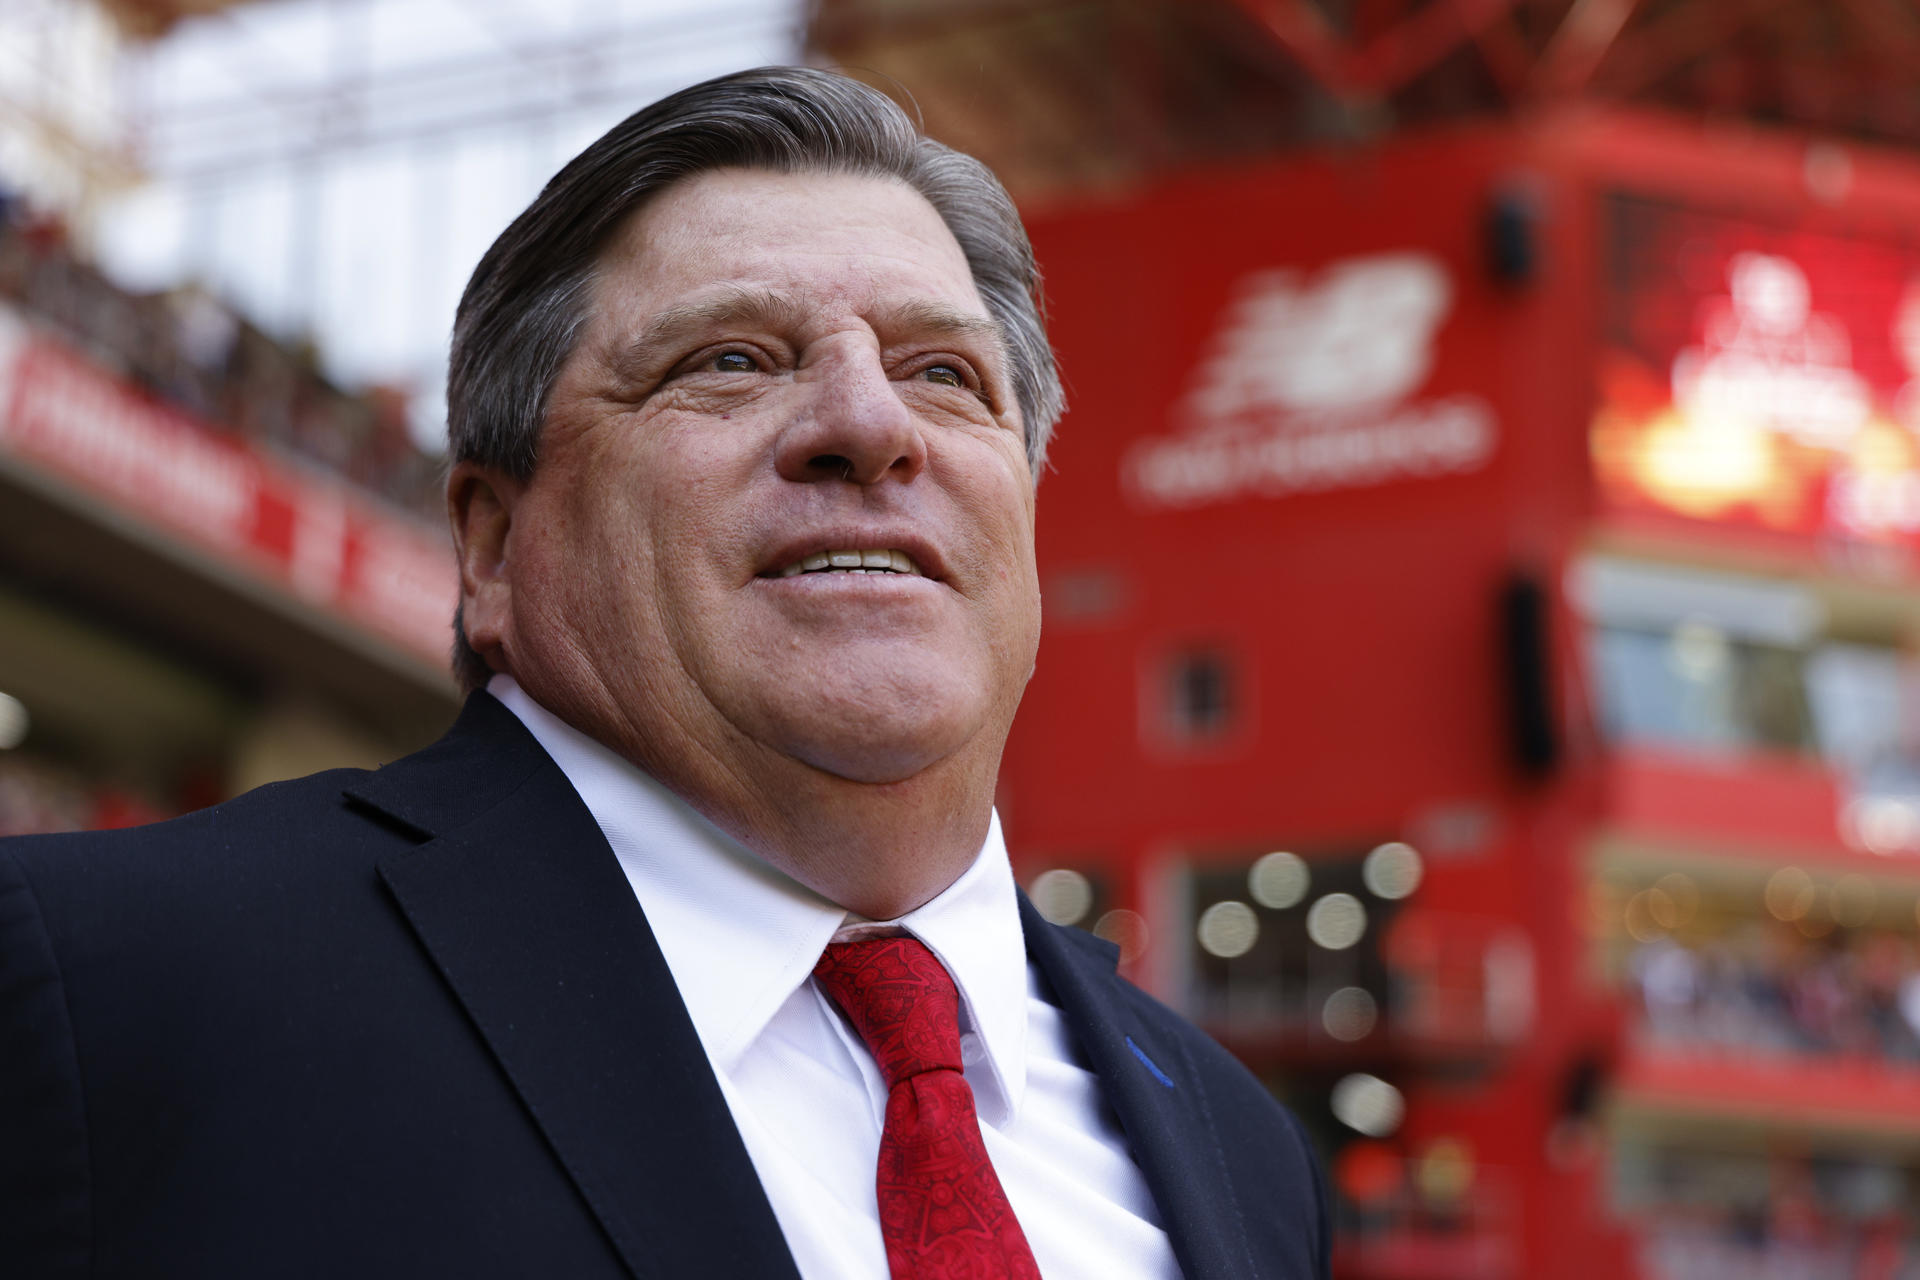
column 1713, row 662
column 1697, row 686
column 1277, row 943
column 1200, row 696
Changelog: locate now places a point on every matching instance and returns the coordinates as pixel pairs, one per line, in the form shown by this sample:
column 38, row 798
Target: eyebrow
column 738, row 305
column 732, row 305
column 940, row 320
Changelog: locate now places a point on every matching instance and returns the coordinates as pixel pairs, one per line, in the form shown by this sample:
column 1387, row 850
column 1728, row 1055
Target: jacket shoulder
column 121, row 921
column 269, row 824
column 340, row 820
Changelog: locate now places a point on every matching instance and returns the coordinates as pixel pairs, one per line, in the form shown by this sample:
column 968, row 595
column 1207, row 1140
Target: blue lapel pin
column 1158, row 1074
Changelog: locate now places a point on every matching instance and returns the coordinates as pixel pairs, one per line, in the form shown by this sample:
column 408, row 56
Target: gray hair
column 526, row 304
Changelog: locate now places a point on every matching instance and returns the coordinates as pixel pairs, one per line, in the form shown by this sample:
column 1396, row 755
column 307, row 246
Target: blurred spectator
column 189, row 349
column 1776, row 1216
column 1765, row 987
column 35, row 797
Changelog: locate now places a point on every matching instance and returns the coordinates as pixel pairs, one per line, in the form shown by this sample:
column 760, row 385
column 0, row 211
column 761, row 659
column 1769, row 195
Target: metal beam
column 428, row 79
column 1578, row 46
column 1894, row 27
column 1645, row 55
column 1420, row 41
column 1408, row 47
column 1303, row 31
column 1506, row 55
column 368, row 110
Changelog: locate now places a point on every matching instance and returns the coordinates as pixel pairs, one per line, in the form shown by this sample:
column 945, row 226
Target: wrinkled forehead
column 729, row 223
column 788, row 249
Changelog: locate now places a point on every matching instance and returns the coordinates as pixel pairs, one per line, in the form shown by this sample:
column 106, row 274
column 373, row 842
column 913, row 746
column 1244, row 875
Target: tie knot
column 899, row 998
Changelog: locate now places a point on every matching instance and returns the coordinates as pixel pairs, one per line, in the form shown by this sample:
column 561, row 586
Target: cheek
column 1010, row 516
column 1023, row 630
column 1003, row 513
column 681, row 524
column 985, row 476
column 591, row 567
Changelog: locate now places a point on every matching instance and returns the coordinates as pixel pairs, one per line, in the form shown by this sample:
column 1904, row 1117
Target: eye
column 944, row 375
column 731, row 362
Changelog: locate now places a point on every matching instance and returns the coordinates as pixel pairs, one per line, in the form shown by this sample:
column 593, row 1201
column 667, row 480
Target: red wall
column 1363, row 615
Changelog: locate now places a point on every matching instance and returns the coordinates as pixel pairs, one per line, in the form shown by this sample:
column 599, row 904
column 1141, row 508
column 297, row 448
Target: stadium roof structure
column 1069, row 93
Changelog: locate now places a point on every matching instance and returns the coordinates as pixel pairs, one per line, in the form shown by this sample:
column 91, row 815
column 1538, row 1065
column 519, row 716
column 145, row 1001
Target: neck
column 879, row 849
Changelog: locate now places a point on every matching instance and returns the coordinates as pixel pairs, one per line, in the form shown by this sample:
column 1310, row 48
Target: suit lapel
column 527, row 915
column 1159, row 1096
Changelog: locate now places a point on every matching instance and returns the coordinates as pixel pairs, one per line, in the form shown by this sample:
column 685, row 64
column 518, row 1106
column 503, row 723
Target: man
column 693, row 949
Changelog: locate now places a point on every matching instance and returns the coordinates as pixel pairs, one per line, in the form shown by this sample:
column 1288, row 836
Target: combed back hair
column 529, row 297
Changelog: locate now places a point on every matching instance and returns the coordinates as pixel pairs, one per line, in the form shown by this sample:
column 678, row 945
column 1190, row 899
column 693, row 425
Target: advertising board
column 1759, row 376
column 300, row 530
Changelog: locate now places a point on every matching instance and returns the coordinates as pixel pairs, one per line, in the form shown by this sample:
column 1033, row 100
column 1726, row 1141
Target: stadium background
column 1479, row 678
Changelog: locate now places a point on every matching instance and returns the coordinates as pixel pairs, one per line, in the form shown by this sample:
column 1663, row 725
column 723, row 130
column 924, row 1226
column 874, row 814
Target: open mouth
column 853, row 561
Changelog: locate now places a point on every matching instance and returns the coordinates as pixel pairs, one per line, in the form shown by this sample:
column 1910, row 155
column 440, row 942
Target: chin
column 878, row 758
column 880, row 744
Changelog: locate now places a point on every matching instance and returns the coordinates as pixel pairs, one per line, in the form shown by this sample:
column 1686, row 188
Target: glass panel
column 1696, row 686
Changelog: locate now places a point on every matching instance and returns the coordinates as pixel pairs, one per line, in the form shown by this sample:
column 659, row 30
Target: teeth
column 854, row 561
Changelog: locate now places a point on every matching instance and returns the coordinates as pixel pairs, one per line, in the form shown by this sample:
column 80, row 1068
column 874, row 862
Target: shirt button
column 971, row 1050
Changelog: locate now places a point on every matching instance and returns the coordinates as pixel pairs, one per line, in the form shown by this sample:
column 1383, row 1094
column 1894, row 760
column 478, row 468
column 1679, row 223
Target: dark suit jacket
column 413, row 1023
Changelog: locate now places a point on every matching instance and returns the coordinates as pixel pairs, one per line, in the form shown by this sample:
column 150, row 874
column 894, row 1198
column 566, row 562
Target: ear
column 480, row 505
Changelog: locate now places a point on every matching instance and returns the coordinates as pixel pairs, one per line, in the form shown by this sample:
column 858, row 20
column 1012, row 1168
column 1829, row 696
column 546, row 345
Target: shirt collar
column 740, row 936
column 974, row 927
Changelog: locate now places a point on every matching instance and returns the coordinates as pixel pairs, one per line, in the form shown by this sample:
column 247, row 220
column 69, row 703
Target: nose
column 855, row 427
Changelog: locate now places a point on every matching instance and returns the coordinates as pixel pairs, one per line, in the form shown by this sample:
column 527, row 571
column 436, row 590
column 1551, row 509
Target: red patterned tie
column 942, row 1212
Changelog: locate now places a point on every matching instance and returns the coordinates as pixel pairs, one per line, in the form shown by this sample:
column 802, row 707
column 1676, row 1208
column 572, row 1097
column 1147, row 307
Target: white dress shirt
column 741, row 940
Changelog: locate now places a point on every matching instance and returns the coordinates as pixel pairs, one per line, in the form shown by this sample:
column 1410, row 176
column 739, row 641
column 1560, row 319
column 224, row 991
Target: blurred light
column 1349, row 1014
column 1883, row 824
column 1336, row 921
column 1368, row 1104
column 1818, row 921
column 1853, row 901
column 1228, row 929
column 1062, row 896
column 13, row 722
column 1392, row 871
column 1639, row 919
column 1661, row 906
column 1126, row 930
column 1698, row 650
column 1683, row 893
column 1444, row 1172
column 1789, row 894
column 1603, row 907
column 1279, row 880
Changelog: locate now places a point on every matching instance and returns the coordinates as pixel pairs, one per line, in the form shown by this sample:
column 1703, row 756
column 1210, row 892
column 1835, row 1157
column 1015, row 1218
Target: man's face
column 780, row 368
